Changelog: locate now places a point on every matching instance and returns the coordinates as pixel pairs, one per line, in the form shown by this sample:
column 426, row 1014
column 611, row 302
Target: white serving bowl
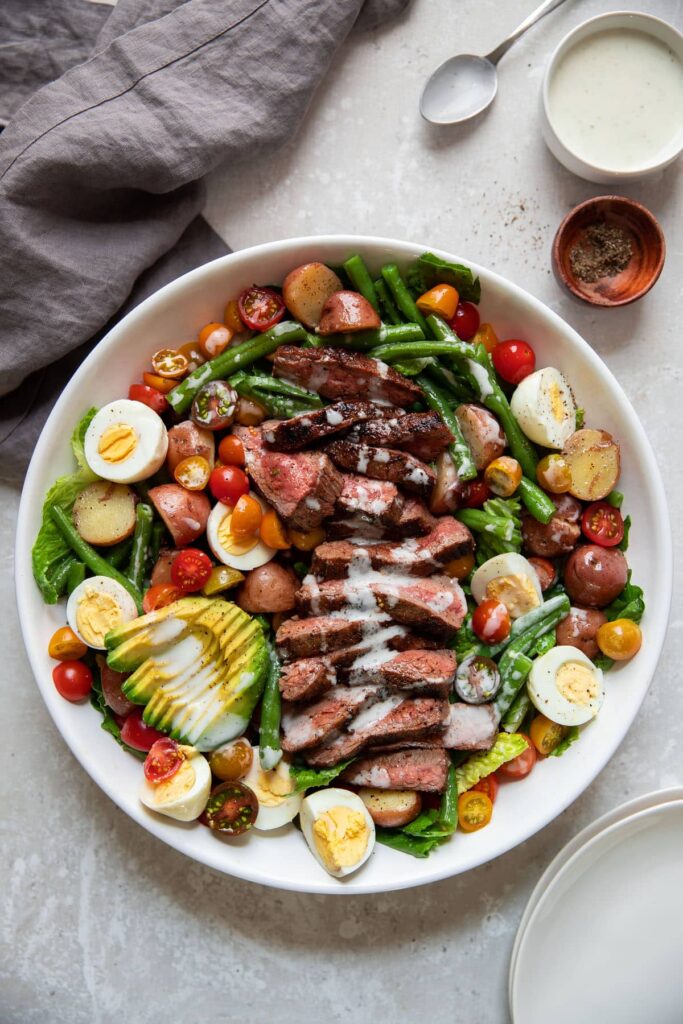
column 281, row 858
column 575, row 163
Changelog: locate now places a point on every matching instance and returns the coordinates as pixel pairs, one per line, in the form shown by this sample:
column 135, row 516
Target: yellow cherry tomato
column 461, row 567
column 273, row 533
column 169, row 363
column 619, row 639
column 545, row 735
column 232, row 761
column 163, row 384
column 232, row 319
column 486, row 336
column 65, row 646
column 503, row 476
column 246, row 517
column 441, row 300
column 221, row 577
column 213, row 339
column 193, row 473
column 194, row 355
column 554, row 474
column 474, row 810
column 307, row 540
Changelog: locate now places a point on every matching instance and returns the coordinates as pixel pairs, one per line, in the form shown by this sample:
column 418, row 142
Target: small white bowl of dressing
column 612, row 98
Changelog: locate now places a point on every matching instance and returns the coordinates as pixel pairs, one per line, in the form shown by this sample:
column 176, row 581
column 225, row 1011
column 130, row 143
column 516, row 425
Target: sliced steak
column 414, row 520
column 302, row 487
column 384, row 464
column 339, row 373
column 424, row 770
column 301, row 431
column 416, row 556
column 374, row 499
column 436, row 605
column 471, row 727
column 423, row 433
column 300, row 638
column 311, row 725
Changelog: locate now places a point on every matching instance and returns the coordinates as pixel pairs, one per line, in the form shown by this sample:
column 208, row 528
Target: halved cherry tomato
column 273, row 532
column 442, row 300
column 246, row 517
column 72, row 679
column 228, row 484
column 231, row 809
column 476, row 493
column 514, row 360
column 65, row 645
column 488, row 785
column 491, row 621
column 232, row 761
column 602, row 523
column 148, row 396
column 193, row 473
column 163, row 760
column 167, row 362
column 231, row 451
column 520, row 766
column 461, row 567
column 193, row 354
column 163, row 384
column 160, row 595
column 545, row 735
column 260, row 308
column 553, row 473
column 213, row 339
column 474, row 810
column 487, row 337
column 503, row 476
column 214, row 406
column 190, row 569
column 465, row 321
column 137, row 734
column 619, row 639
column 306, row 540
column 231, row 317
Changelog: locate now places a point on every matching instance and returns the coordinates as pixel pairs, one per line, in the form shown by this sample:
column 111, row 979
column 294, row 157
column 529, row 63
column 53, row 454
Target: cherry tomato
column 232, row 761
column 503, row 476
column 460, row 568
column 190, row 569
column 193, row 473
column 603, row 524
column 163, row 760
column 491, row 621
column 169, row 363
column 231, row 451
column 231, row 317
column 228, row 484
column 273, row 532
column 148, row 396
column 72, row 679
column 213, row 339
column 137, row 734
column 441, row 300
column 260, row 308
column 474, row 810
column 65, row 645
column 231, row 809
column 488, row 785
column 476, row 493
column 521, row 765
column 553, row 474
column 193, row 354
column 465, row 323
column 545, row 735
column 619, row 639
column 514, row 360
column 307, row 540
column 246, row 517
column 163, row 384
column 487, row 337
column 214, row 406
column 159, row 596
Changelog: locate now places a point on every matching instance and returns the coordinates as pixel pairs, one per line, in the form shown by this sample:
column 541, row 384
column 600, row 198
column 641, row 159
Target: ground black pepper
column 603, row 251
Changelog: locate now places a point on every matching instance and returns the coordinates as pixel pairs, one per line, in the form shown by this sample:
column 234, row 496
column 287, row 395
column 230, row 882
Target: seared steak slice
column 384, row 464
column 338, row 373
column 417, row 556
column 424, row 770
column 303, row 430
column 375, row 499
column 414, row 520
column 302, row 487
column 299, row 638
column 436, row 605
column 471, row 727
column 423, row 433
column 311, row 725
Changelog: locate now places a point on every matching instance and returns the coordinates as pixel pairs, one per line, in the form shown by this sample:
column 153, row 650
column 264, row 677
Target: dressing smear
column 616, row 99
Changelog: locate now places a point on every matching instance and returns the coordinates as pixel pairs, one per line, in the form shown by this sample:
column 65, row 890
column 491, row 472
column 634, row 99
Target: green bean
column 460, row 453
column 361, row 341
column 402, row 297
column 537, row 501
column 442, row 332
column 518, row 709
column 270, row 751
column 280, row 387
column 141, row 538
column 158, row 530
column 448, row 809
column 275, row 405
column 615, row 498
column 411, row 367
column 75, row 577
column 391, row 314
column 446, row 379
column 559, row 604
column 514, row 664
column 312, row 341
column 502, row 527
column 394, row 351
column 233, row 359
column 97, row 565
column 60, row 577
column 359, row 276
column 119, row 554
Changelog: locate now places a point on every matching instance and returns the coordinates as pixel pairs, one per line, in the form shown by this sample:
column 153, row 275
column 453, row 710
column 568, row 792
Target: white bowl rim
column 430, row 869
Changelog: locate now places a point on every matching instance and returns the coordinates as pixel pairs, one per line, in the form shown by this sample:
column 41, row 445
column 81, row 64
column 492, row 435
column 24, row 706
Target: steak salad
column 347, row 560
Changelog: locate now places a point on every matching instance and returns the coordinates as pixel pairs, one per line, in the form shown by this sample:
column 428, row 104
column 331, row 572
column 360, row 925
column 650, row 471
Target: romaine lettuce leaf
column 478, row 766
column 308, row 778
column 571, row 736
column 429, row 270
column 416, row 846
column 629, row 605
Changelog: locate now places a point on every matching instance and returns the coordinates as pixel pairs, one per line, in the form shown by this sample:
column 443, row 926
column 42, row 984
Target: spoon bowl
column 459, row 89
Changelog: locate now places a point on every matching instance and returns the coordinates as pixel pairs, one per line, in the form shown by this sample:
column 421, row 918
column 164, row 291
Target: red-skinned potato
column 579, row 629
column 448, row 490
column 306, row 289
column 111, row 683
column 270, row 588
column 594, row 576
column 482, row 432
column 346, row 312
column 545, row 570
column 186, row 439
column 161, row 573
column 185, row 513
column 391, row 808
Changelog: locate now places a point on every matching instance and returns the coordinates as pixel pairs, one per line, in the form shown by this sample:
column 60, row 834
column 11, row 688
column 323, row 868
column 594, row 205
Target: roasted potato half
column 104, row 513
column 391, row 808
column 594, row 460
column 306, row 289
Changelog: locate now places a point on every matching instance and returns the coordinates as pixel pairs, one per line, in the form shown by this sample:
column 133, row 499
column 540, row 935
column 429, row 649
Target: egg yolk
column 557, row 404
column 177, row 786
column 271, row 787
column 97, row 613
column 117, row 443
column 231, row 544
column 341, row 837
column 516, row 592
column 577, row 683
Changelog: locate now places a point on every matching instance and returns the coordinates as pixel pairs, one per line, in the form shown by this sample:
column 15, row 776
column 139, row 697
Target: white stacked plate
column 601, row 939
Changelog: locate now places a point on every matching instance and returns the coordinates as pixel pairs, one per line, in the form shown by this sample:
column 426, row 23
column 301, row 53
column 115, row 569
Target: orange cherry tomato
column 65, row 645
column 231, row 451
column 520, row 766
column 503, row 476
column 545, row 735
column 442, row 300
column 163, row 384
column 474, row 810
column 488, row 785
column 213, row 339
column 231, row 317
column 486, row 336
column 160, row 595
column 307, row 540
column 193, row 473
column 619, row 639
column 491, row 621
column 246, row 517
column 169, row 363
column 461, row 567
column 193, row 354
column 273, row 533
column 553, row 473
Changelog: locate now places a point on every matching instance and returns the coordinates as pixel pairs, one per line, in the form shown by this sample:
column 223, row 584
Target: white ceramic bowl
column 575, row 163
column 281, row 858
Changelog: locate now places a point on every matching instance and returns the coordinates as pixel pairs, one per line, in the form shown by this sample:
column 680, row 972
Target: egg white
column 316, row 804
column 545, row 421
column 183, row 806
column 151, row 448
column 102, row 584
column 507, row 564
column 287, row 807
column 546, row 697
column 252, row 559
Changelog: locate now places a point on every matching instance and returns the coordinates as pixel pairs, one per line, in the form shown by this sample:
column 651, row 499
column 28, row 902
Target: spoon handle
column 546, row 7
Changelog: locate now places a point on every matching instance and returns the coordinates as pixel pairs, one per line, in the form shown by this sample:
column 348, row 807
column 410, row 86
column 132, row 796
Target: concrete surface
column 102, row 923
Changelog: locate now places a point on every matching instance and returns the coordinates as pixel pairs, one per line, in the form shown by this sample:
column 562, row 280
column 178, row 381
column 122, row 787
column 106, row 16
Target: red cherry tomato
column 491, row 621
column 231, row 809
column 159, row 596
column 137, row 734
column 520, row 766
column 190, row 569
column 514, row 360
column 476, row 493
column 72, row 679
column 260, row 308
column 163, row 761
column 231, row 451
column 228, row 484
column 465, row 323
column 148, row 396
column 488, row 785
column 603, row 524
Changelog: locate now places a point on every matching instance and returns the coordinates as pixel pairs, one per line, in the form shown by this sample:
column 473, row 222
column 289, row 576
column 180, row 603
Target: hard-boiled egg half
column 338, row 829
column 96, row 606
column 278, row 804
column 126, row 441
column 237, row 552
column 184, row 795
column 544, row 407
column 565, row 686
column 511, row 579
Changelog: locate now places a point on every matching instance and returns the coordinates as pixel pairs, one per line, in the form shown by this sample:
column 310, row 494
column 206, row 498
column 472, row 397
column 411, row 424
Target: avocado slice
column 132, row 643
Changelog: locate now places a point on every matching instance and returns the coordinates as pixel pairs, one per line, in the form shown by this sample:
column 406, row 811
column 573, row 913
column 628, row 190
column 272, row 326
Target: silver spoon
column 465, row 85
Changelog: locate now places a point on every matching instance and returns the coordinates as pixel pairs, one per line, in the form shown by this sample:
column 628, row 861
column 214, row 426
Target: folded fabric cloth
column 101, row 170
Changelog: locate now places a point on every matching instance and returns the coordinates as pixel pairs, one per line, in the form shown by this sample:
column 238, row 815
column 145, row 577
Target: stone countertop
column 103, row 923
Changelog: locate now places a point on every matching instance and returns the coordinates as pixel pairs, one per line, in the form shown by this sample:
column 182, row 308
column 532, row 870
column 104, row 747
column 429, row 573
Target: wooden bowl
column 644, row 266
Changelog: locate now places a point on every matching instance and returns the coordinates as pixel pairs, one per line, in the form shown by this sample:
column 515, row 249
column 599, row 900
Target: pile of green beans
column 278, row 397
column 514, row 665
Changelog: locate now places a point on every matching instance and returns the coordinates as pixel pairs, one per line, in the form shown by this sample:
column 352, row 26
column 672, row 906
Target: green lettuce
column 571, row 736
column 478, row 766
column 429, row 270
column 629, row 605
column 308, row 778
column 397, row 839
